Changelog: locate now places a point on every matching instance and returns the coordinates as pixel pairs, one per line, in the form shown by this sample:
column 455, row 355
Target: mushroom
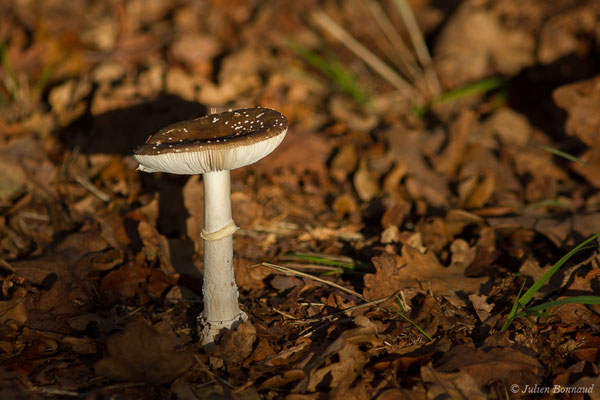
column 212, row 146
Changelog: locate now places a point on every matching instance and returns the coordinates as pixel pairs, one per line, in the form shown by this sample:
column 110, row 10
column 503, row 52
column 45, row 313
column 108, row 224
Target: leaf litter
column 382, row 221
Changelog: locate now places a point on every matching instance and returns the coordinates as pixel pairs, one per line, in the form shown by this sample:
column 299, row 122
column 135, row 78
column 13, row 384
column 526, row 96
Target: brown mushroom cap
column 215, row 142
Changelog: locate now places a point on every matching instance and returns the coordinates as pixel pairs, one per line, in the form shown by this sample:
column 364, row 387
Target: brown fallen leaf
column 560, row 34
column 365, row 183
column 481, row 306
column 359, row 390
column 404, row 394
column 290, row 354
column 60, row 259
column 14, row 310
column 581, row 100
column 13, row 181
column 451, row 385
column 456, row 220
column 342, row 372
column 590, row 166
column 474, row 43
column 283, row 379
column 481, row 192
column 507, row 125
column 449, row 161
column 344, row 204
column 557, row 228
column 406, row 357
column 249, row 275
column 135, row 281
column 484, row 178
column 349, row 359
column 344, row 162
column 10, row 389
column 487, row 365
column 422, row 182
column 156, row 246
column 414, row 269
column 463, row 255
column 140, row 353
column 588, row 382
column 236, row 344
column 574, row 315
column 311, row 396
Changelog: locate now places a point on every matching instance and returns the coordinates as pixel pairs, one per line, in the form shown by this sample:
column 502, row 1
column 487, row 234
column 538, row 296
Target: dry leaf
column 236, row 344
column 365, row 183
column 581, row 100
column 350, row 360
column 406, row 148
column 14, row 310
column 416, row 270
column 482, row 308
column 135, row 281
column 488, row 365
column 344, row 162
column 451, row 385
column 473, row 40
column 482, row 192
column 281, row 380
column 557, row 228
column 140, row 353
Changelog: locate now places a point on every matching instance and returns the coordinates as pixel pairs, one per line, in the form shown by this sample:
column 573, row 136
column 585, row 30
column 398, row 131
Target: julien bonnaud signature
column 530, row 389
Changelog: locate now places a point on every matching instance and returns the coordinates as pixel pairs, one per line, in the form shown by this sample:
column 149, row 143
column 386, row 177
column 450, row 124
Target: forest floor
column 440, row 160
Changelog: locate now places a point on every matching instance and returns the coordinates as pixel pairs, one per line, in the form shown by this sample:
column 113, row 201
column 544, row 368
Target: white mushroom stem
column 221, row 308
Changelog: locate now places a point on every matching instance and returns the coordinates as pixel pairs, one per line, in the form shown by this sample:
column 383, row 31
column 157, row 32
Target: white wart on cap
column 215, row 142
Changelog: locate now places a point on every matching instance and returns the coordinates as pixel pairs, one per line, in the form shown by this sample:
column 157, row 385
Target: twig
column 414, row 32
column 330, row 26
column 419, row 44
column 90, row 187
column 53, row 391
column 289, row 271
column 353, row 308
column 118, row 386
column 333, row 317
column 6, row 266
column 402, row 56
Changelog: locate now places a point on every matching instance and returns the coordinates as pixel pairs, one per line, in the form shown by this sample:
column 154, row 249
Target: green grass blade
column 560, row 153
column 513, row 310
column 42, row 81
column 522, row 301
column 526, row 298
column 568, row 300
column 11, row 82
column 544, row 203
column 345, row 263
column 470, row 89
column 333, row 69
column 320, row 260
column 480, row 87
column 413, row 323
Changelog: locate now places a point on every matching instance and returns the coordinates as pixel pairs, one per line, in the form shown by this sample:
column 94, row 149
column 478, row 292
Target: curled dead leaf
column 14, row 309
column 365, row 183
